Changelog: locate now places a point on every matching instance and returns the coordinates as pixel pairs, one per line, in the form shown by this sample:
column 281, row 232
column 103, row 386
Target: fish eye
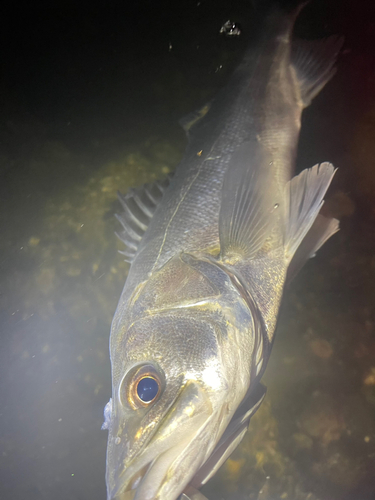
column 147, row 389
column 141, row 386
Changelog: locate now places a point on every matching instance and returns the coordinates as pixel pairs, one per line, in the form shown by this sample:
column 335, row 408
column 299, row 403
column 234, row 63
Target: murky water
column 89, row 105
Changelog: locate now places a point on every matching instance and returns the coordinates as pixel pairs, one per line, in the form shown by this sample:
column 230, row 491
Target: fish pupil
column 147, row 389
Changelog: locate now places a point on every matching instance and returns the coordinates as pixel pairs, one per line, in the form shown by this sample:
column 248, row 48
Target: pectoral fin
column 303, row 201
column 249, row 198
column 231, row 438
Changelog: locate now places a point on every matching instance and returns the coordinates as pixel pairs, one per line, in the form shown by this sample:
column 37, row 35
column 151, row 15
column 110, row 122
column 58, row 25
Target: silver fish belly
column 210, row 251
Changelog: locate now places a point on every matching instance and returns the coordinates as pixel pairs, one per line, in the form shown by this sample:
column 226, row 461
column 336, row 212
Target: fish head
column 176, row 385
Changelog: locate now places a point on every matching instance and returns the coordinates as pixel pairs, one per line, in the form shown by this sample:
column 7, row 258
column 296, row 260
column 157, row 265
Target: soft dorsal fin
column 187, row 122
column 314, row 64
column 139, row 206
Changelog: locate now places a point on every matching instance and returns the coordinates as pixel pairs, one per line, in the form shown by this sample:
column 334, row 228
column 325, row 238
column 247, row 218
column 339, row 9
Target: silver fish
column 210, row 251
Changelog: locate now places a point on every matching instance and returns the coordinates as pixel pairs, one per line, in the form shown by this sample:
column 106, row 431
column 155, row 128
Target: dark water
column 90, row 99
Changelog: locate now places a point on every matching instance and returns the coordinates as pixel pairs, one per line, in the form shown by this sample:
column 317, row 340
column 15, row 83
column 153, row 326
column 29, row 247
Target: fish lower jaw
column 128, row 489
column 137, row 478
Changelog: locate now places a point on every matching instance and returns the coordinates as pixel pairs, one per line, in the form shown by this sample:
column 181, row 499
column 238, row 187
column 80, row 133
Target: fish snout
column 165, row 464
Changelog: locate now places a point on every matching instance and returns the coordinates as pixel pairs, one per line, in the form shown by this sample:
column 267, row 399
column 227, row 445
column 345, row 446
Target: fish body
column 195, row 323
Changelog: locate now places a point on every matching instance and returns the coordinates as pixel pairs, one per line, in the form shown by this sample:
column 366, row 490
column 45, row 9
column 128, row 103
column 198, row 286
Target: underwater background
column 90, row 98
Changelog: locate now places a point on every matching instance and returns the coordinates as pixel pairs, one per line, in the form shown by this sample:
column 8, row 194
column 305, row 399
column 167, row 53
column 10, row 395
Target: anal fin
column 314, row 64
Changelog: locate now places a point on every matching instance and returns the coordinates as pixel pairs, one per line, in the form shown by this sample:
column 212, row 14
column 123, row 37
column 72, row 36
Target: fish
column 211, row 249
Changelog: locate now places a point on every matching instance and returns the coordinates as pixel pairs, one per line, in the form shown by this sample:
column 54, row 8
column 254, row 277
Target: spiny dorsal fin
column 314, row 63
column 303, row 201
column 139, row 206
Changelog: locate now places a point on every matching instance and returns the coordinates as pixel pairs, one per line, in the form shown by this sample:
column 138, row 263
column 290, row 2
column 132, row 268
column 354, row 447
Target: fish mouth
column 166, row 468
column 136, row 479
column 167, row 463
column 126, row 489
column 133, row 483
